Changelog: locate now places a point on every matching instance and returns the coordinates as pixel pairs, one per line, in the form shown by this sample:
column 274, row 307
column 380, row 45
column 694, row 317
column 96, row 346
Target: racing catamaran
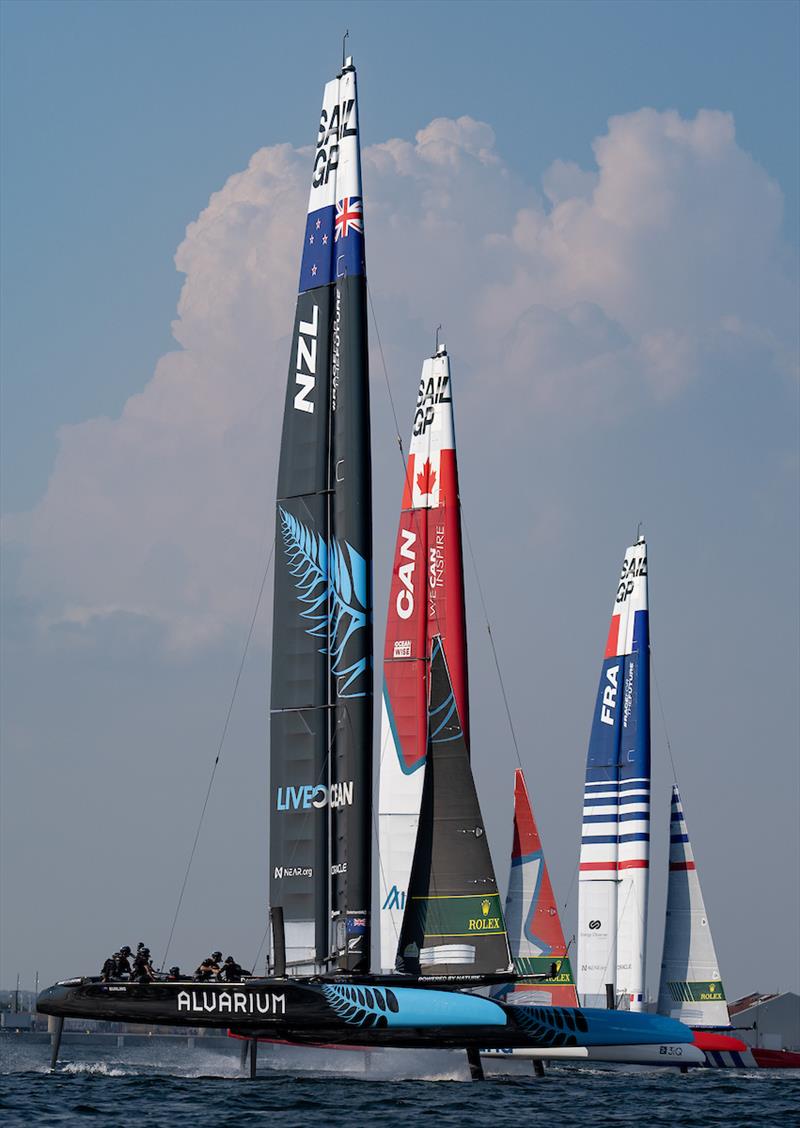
column 452, row 934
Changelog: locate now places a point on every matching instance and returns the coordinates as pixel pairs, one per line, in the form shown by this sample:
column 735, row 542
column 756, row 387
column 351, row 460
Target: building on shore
column 771, row 1022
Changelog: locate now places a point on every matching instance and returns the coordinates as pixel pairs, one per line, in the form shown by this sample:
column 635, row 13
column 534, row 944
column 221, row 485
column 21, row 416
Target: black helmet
column 145, row 951
column 125, row 950
column 216, row 955
column 229, row 959
column 115, row 955
column 174, row 971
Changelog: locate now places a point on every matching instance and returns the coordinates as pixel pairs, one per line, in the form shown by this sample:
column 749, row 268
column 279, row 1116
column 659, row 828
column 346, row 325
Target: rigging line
column 491, row 636
column 254, row 964
column 663, row 716
column 385, row 370
column 219, row 753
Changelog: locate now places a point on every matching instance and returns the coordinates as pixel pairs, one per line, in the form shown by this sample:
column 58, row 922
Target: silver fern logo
column 331, row 580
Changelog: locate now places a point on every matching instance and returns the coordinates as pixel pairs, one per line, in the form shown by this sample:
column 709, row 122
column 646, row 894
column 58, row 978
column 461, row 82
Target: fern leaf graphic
column 362, row 1006
column 331, row 580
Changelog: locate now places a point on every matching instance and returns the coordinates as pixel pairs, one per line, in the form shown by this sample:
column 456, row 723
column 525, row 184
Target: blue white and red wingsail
column 615, row 840
column 691, row 986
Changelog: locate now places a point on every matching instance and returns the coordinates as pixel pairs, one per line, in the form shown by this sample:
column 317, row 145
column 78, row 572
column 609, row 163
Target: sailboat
column 615, row 849
column 451, row 935
column 691, row 988
column 541, row 956
column 615, row 842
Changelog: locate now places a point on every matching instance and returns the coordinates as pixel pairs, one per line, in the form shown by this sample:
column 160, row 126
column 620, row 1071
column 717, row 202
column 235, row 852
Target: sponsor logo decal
column 631, row 569
column 609, row 696
column 435, row 568
column 402, row 648
column 627, row 700
column 485, row 923
column 339, row 867
column 395, row 899
column 707, row 991
column 405, row 573
column 306, row 365
column 595, row 924
column 431, row 392
column 336, row 340
column 331, row 131
column 671, row 1051
column 279, row 872
column 304, row 798
column 231, row 1002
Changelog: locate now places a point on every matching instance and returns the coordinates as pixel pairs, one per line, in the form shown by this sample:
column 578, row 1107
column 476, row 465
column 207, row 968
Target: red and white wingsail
column 426, row 599
column 532, row 921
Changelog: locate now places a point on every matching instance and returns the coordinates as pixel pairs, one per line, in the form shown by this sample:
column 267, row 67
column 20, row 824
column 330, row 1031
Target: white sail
column 690, row 989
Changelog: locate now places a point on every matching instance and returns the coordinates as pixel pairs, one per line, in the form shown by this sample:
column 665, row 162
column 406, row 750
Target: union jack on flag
column 349, row 215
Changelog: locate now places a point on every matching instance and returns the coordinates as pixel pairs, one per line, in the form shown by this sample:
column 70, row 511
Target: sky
column 599, row 203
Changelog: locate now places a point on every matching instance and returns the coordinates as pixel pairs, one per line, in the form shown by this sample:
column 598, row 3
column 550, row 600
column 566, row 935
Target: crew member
column 142, row 968
column 123, row 967
column 232, row 972
column 174, row 973
column 209, row 968
column 109, row 968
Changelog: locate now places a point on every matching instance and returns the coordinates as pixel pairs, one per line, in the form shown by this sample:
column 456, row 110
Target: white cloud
column 609, row 295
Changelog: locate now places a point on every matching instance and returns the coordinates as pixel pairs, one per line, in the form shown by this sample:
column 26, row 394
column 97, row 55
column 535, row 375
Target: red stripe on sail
column 526, row 836
column 599, row 866
column 682, row 866
column 612, row 643
column 635, row 863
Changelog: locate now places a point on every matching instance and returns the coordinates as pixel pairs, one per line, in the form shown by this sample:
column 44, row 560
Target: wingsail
column 615, row 841
column 426, row 600
column 532, row 920
column 321, row 712
column 691, row 987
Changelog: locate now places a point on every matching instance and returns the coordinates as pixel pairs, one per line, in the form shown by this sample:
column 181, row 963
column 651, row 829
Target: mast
column 426, row 600
column 534, row 926
column 691, row 988
column 321, row 712
column 615, row 842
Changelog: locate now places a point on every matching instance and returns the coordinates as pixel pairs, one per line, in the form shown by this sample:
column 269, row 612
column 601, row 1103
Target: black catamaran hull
column 357, row 1013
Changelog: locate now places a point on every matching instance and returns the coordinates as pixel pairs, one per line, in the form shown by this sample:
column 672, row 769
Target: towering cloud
column 611, row 290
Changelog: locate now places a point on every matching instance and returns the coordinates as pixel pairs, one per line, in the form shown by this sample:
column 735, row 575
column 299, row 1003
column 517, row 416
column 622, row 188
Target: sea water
column 177, row 1086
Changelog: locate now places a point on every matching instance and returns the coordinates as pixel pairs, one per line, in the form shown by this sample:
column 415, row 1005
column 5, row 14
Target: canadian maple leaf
column 426, row 479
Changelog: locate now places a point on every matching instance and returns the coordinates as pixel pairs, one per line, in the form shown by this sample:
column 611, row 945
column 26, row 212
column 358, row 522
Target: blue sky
column 618, row 287
column 120, row 119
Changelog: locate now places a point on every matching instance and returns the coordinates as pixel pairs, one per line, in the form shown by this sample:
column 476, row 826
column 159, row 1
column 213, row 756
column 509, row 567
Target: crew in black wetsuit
column 109, row 968
column 209, row 968
column 123, row 968
column 232, row 972
column 142, row 968
column 174, row 973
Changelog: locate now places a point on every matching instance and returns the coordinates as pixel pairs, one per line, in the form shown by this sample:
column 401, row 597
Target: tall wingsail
column 691, row 988
column 453, row 922
column 426, row 600
column 615, row 842
column 534, row 926
column 321, row 714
